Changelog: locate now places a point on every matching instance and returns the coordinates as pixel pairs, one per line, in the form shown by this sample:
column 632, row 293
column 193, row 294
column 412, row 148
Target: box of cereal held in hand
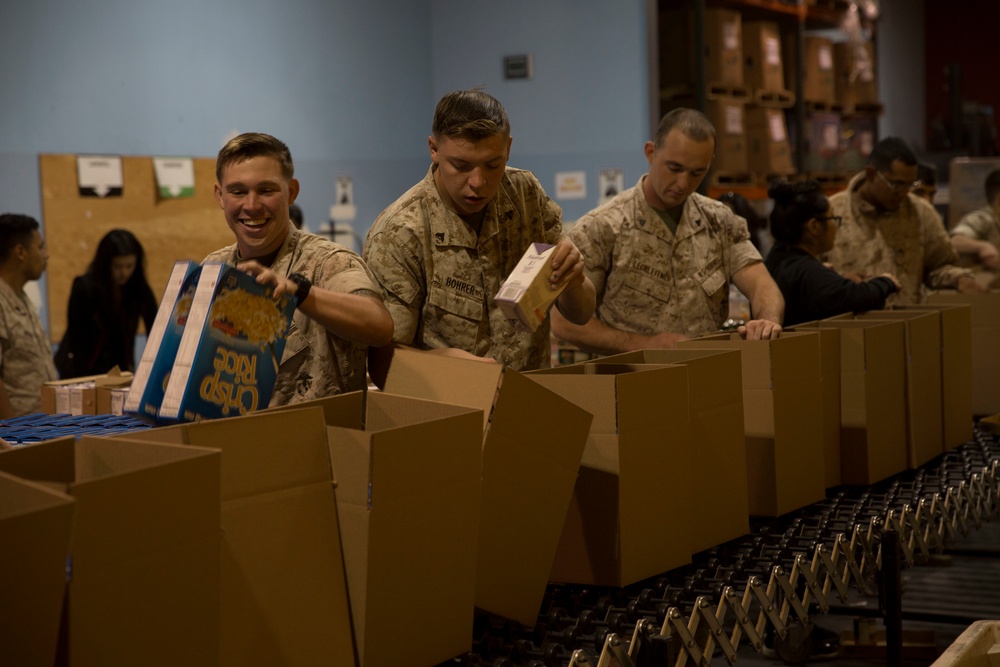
column 227, row 361
column 526, row 296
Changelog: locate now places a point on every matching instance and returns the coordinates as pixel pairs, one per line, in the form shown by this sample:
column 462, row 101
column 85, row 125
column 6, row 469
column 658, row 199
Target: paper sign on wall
column 571, row 185
column 99, row 175
column 174, row 176
column 343, row 207
column 610, row 182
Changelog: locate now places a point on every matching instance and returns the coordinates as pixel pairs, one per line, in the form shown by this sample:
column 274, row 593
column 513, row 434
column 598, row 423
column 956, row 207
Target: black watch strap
column 303, row 285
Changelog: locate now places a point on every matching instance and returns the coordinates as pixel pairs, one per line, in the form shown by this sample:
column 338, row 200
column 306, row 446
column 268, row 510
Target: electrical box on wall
column 517, row 67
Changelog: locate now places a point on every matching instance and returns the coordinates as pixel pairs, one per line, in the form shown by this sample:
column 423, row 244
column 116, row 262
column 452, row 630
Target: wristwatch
column 303, row 285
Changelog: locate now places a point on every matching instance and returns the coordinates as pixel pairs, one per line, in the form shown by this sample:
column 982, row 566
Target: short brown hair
column 690, row 122
column 471, row 114
column 254, row 144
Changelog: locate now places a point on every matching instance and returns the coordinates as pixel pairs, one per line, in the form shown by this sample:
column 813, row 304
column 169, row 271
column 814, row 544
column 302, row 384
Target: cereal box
column 525, row 296
column 227, row 362
column 153, row 369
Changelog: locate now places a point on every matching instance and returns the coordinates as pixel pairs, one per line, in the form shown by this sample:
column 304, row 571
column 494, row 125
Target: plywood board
column 169, row 229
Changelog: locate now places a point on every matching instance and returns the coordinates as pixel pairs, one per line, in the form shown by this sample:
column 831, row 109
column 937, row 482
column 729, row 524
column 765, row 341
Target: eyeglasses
column 896, row 186
column 836, row 219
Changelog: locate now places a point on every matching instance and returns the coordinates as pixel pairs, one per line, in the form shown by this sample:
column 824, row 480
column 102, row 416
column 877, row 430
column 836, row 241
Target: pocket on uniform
column 455, row 305
column 644, row 291
column 711, row 282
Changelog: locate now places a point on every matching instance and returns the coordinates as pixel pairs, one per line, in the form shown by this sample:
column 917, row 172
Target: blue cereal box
column 227, row 362
column 153, row 369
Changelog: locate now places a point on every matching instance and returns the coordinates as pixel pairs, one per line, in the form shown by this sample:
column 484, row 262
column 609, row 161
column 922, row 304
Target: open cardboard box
column 144, row 573
column 408, row 492
column 924, row 411
column 284, row 594
column 783, row 418
column 872, row 398
column 985, row 351
column 720, row 504
column 35, row 525
column 956, row 370
column 630, row 517
column 534, row 440
column 58, row 395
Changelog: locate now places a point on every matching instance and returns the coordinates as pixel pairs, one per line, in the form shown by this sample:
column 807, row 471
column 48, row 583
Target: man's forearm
column 596, row 336
column 577, row 305
column 6, row 409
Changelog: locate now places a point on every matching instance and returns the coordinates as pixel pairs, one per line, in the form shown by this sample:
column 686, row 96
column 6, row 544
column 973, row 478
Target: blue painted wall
column 349, row 85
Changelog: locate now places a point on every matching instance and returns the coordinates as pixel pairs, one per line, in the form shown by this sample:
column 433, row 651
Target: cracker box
column 153, row 369
column 227, row 360
column 525, row 295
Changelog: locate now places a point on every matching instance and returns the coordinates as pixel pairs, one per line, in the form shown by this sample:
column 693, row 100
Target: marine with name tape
column 340, row 310
column 25, row 352
column 662, row 256
column 443, row 249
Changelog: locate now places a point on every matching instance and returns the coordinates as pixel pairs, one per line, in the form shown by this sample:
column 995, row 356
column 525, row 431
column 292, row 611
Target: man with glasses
column 887, row 229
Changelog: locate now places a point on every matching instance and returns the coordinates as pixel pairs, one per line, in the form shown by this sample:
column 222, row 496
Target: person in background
column 888, row 229
column 803, row 229
column 295, row 215
column 105, row 306
column 926, row 184
column 662, row 257
column 978, row 233
column 756, row 223
column 340, row 310
column 443, row 249
column 25, row 353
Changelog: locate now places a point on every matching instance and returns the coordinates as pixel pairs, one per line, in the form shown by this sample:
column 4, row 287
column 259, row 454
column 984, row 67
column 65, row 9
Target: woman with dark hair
column 804, row 229
column 105, row 305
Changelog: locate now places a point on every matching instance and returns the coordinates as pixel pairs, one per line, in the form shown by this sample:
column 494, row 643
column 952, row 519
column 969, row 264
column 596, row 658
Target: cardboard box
column 228, row 357
column 83, row 395
column 153, row 369
column 829, row 349
column 859, row 139
column 763, row 69
column 715, row 404
column 985, row 351
column 956, row 370
column 144, row 576
column 977, row 646
column 819, row 84
column 768, row 148
column 525, row 296
column 783, row 419
column 534, row 441
column 924, row 412
column 283, row 589
column 35, row 525
column 629, row 517
column 728, row 117
column 824, row 147
column 408, row 492
column 855, row 83
column 872, row 398
column 723, row 44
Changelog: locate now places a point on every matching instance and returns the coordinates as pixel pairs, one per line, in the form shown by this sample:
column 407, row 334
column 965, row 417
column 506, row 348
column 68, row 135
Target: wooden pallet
column 864, row 109
column 817, row 106
column 685, row 93
column 730, row 179
column 765, row 179
column 780, row 99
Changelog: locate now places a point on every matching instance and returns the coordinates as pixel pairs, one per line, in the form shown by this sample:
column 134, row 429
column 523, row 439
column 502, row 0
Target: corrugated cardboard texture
column 715, row 394
column 641, row 436
column 408, row 503
column 762, row 56
column 924, row 429
column 985, row 351
column 35, row 525
column 145, row 558
column 783, row 419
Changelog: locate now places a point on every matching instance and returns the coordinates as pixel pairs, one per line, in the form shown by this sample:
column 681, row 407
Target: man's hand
column 759, row 330
column 969, row 285
column 266, row 276
column 895, row 281
column 567, row 266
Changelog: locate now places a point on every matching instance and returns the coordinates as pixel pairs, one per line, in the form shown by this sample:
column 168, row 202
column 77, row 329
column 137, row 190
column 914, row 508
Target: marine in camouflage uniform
column 441, row 279
column 25, row 353
column 650, row 280
column 982, row 224
column 910, row 243
column 315, row 363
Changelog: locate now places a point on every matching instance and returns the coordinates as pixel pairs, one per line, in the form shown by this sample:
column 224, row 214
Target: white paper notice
column 776, row 121
column 730, row 36
column 825, row 56
column 772, row 51
column 866, row 143
column 174, row 176
column 99, row 175
column 831, row 137
column 343, row 207
column 610, row 182
column 734, row 119
column 571, row 185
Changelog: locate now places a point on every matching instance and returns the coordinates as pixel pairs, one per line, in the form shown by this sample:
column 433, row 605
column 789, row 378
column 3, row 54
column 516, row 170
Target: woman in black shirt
column 804, row 229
